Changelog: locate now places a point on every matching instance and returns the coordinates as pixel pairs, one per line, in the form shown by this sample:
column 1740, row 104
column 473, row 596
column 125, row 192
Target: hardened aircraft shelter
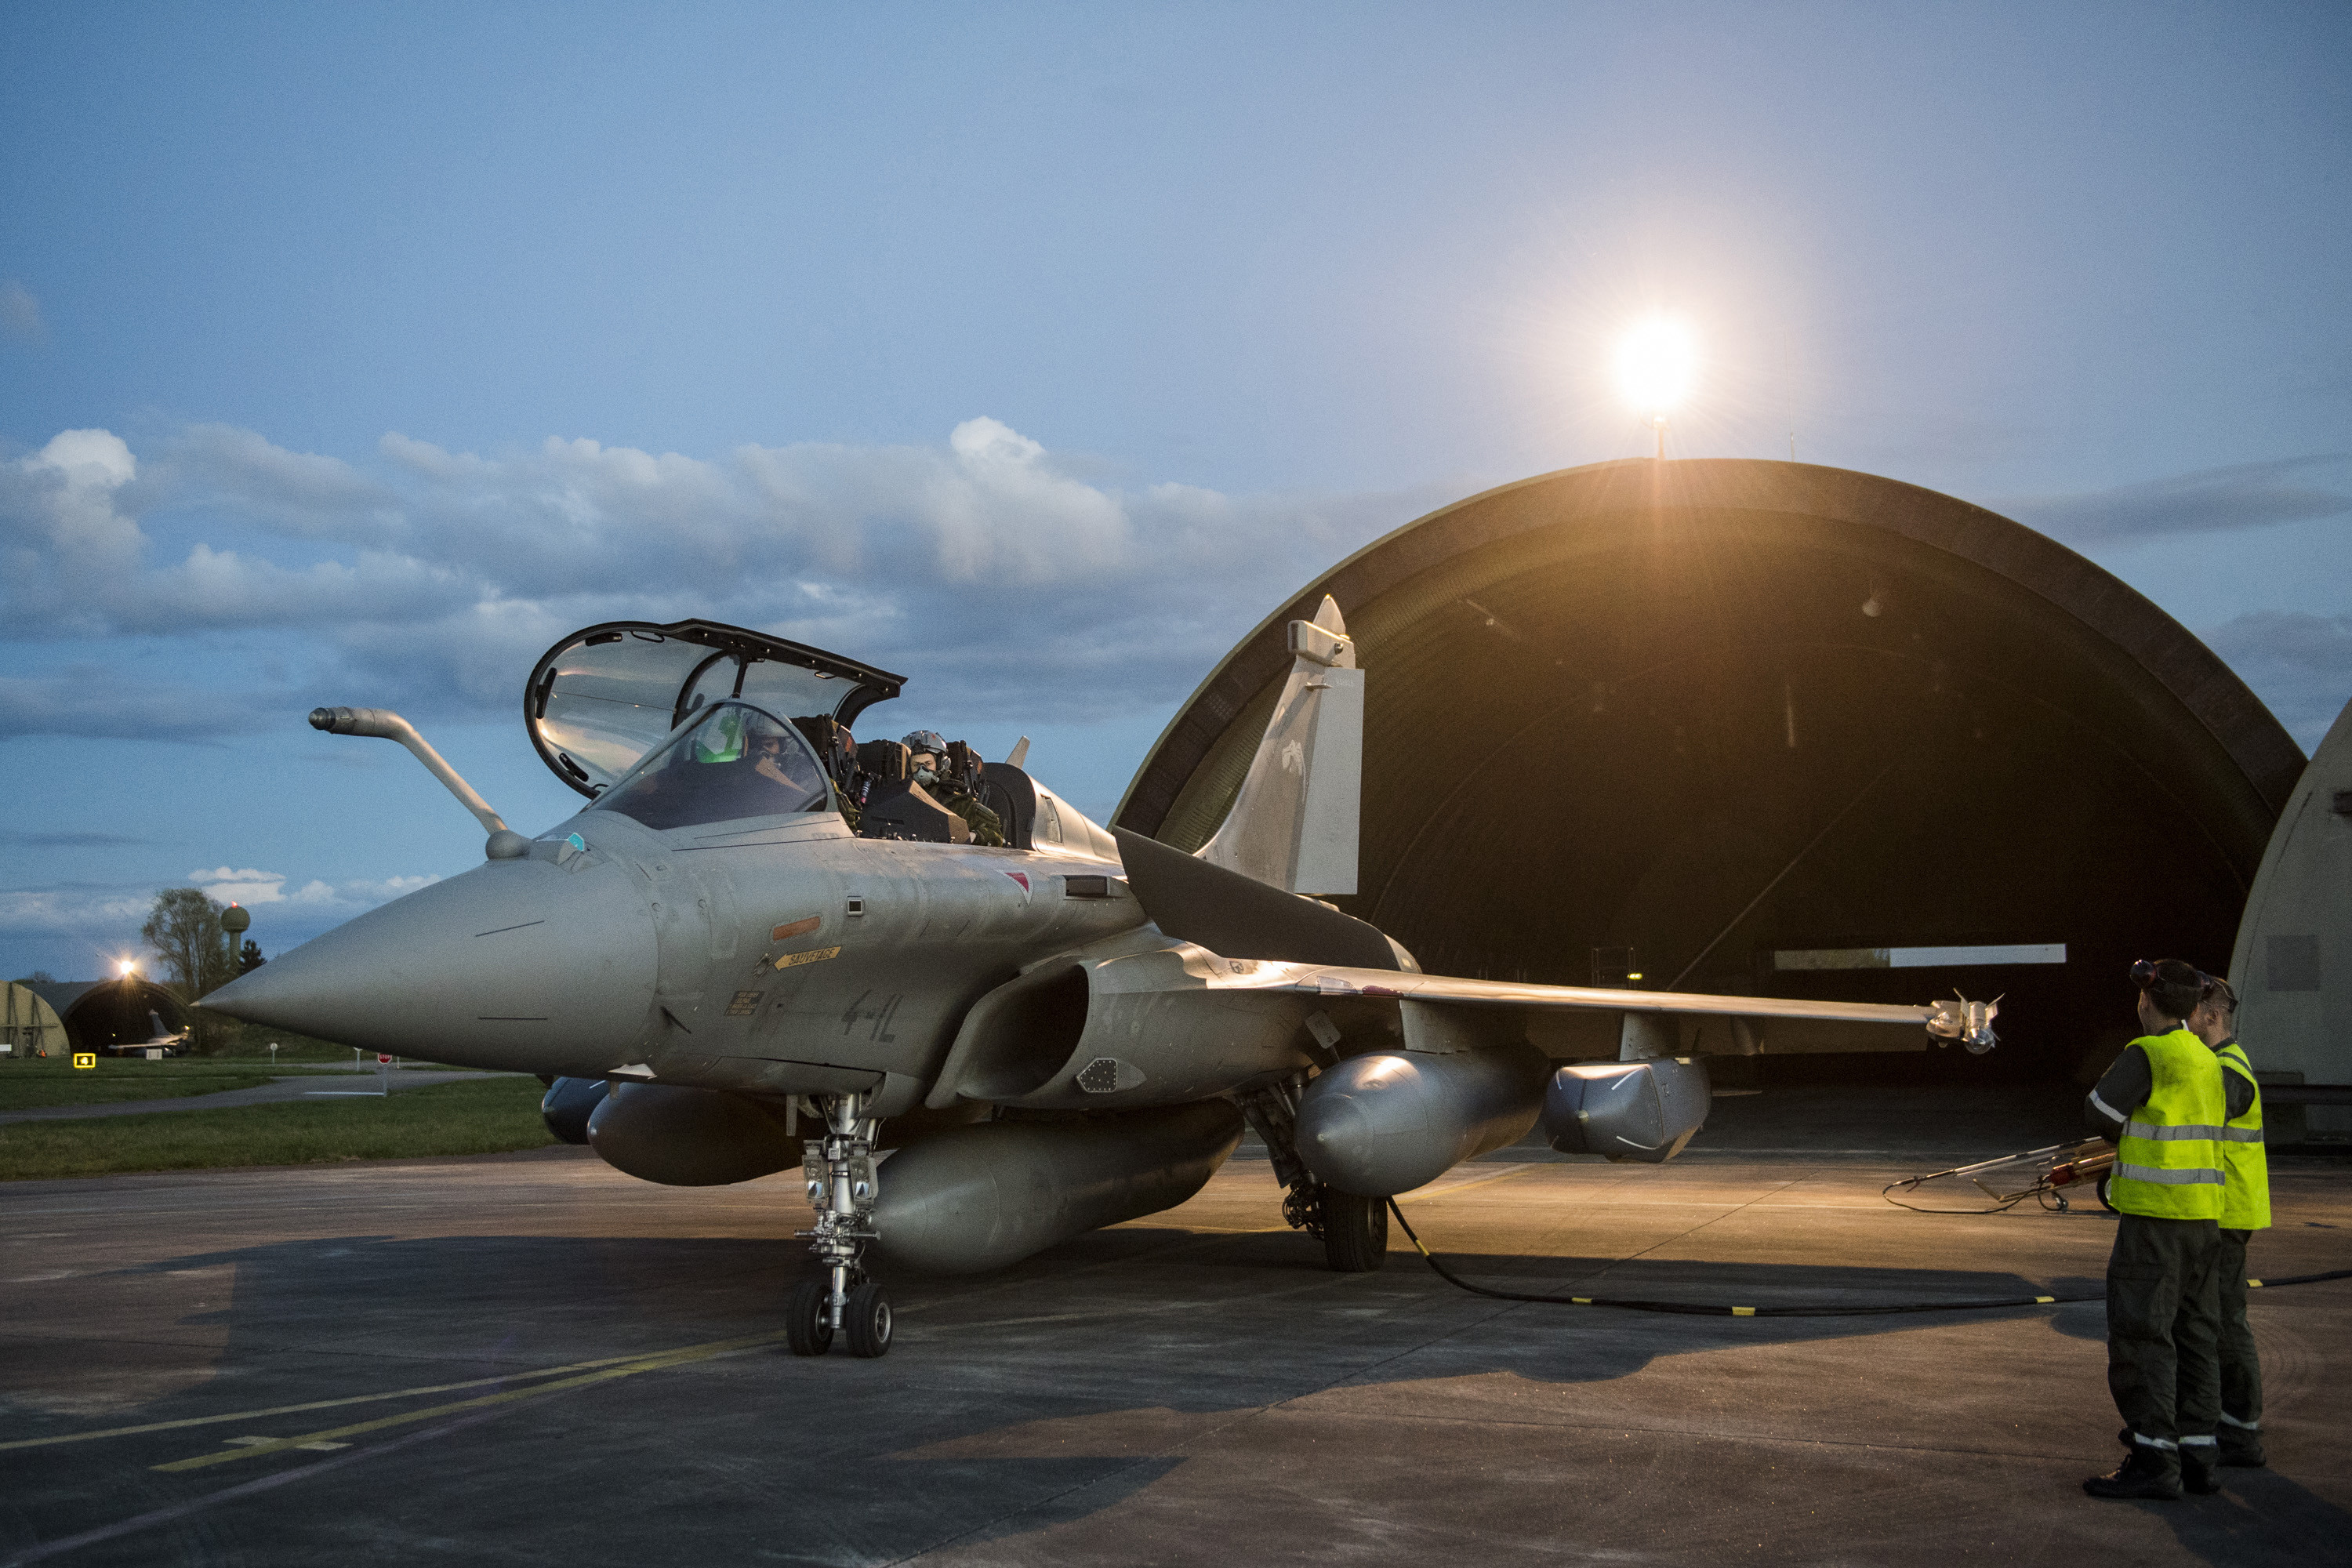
column 1774, row 729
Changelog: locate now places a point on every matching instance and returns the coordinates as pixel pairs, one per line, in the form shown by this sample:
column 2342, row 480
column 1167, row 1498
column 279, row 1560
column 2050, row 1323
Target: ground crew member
column 930, row 766
column 2163, row 1105
column 2245, row 1209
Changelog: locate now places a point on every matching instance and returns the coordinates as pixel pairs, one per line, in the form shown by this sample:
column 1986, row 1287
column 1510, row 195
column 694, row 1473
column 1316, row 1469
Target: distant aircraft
column 1060, row 1034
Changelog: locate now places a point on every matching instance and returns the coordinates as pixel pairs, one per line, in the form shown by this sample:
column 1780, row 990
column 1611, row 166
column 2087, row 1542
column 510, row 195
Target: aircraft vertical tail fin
column 1294, row 824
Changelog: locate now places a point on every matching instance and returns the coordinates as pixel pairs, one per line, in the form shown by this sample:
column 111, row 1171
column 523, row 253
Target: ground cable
column 1708, row 1310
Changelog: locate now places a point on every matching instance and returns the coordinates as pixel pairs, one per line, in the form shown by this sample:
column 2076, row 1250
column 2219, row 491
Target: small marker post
column 384, row 1073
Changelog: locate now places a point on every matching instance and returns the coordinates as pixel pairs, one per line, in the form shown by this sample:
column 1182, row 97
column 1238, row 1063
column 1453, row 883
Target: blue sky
column 351, row 354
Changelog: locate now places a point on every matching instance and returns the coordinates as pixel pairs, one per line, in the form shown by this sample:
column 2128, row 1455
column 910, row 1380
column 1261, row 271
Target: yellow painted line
column 649, row 1364
column 353, row 1399
column 1743, row 1311
column 2253, row 1283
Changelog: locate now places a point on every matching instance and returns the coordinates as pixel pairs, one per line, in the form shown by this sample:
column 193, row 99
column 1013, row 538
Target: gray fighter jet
column 762, row 944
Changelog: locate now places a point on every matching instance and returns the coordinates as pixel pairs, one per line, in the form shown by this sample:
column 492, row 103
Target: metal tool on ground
column 2009, row 1180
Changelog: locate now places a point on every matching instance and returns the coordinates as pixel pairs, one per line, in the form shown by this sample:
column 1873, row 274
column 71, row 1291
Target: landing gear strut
column 839, row 1169
column 1354, row 1230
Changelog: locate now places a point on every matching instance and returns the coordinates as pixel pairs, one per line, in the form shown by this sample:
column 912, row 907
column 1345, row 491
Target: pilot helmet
column 929, row 741
column 719, row 738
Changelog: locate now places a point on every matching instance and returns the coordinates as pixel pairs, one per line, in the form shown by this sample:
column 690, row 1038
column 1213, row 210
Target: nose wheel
column 839, row 1171
column 808, row 1318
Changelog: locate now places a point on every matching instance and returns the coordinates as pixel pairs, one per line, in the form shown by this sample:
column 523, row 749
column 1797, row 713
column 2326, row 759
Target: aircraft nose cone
column 515, row 964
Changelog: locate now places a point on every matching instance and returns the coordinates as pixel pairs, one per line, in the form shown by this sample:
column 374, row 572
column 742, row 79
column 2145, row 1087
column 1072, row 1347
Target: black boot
column 2200, row 1469
column 2242, row 1449
column 2148, row 1473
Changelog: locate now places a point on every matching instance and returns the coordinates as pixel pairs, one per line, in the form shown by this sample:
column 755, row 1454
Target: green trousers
column 2242, row 1370
column 2164, row 1364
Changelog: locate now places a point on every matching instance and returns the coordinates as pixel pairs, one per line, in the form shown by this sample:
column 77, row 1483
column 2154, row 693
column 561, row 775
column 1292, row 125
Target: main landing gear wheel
column 866, row 1319
column 808, row 1318
column 1355, row 1231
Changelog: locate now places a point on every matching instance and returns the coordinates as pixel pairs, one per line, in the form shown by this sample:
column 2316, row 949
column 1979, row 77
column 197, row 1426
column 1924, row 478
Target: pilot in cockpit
column 738, row 763
column 930, row 771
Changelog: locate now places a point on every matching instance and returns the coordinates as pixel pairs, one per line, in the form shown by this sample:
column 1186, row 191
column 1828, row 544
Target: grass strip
column 488, row 1117
column 30, row 1085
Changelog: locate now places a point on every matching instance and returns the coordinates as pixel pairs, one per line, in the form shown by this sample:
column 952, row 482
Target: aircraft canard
column 757, row 919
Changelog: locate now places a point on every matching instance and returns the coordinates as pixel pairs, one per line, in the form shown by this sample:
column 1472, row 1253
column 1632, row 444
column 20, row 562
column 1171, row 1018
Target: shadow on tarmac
column 1104, row 1365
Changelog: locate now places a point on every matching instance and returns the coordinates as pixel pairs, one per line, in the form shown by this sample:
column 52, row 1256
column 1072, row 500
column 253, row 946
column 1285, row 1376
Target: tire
column 867, row 1320
column 1355, row 1231
column 808, row 1318
column 2102, row 1195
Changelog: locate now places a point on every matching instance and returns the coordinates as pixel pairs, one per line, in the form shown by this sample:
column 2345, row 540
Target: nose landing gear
column 839, row 1170
column 1354, row 1230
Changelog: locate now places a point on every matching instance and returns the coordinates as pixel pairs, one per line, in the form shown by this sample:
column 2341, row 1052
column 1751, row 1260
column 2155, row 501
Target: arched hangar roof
column 98, row 1013
column 1618, row 705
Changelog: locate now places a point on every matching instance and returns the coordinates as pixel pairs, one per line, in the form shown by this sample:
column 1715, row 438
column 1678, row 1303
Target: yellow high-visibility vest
column 2169, row 1157
column 2245, row 1166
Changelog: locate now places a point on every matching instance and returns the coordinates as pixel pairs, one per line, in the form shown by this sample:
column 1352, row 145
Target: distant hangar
column 1769, row 728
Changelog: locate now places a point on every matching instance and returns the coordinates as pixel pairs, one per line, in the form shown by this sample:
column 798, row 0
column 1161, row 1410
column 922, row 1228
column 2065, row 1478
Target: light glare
column 126, row 965
column 1655, row 365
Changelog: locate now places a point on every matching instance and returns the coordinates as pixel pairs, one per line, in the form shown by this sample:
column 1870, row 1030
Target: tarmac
column 533, row 1359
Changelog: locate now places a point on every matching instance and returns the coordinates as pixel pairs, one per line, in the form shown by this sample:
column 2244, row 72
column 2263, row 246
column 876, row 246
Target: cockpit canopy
column 737, row 762
column 604, row 697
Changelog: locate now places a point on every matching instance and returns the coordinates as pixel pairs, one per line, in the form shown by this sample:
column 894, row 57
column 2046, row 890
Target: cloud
column 2300, row 665
column 250, row 888
column 296, row 494
column 80, row 910
column 247, row 887
column 112, row 913
column 92, row 703
column 2247, row 495
column 986, row 568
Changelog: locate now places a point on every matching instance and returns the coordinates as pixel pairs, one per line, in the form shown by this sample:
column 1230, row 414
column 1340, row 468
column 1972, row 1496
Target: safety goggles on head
column 2219, row 990
column 2143, row 973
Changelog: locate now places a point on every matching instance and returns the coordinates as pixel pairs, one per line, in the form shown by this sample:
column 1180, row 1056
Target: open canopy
column 608, row 694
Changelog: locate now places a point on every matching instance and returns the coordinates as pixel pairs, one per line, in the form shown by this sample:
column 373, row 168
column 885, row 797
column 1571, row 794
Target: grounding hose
column 1703, row 1310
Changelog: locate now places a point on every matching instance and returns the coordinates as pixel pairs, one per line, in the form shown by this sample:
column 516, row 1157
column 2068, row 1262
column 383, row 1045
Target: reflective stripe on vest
column 2246, row 1196
column 2168, row 1155
column 2169, row 1178
column 2172, row 1134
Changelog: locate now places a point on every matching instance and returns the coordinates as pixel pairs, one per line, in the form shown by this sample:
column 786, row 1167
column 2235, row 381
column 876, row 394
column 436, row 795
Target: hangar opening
column 1770, row 729
column 109, row 1016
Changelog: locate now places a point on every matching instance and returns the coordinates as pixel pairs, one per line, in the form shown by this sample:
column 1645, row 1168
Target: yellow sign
column 792, row 959
column 85, row 1058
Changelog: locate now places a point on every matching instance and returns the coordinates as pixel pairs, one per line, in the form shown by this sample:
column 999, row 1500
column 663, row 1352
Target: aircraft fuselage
column 779, row 956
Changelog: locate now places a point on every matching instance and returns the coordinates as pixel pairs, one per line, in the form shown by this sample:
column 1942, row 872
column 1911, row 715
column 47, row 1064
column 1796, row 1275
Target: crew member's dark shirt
column 2130, row 1081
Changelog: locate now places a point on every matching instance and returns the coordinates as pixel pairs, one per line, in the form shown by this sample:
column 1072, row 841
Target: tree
column 38, row 977
column 185, row 930
column 250, row 959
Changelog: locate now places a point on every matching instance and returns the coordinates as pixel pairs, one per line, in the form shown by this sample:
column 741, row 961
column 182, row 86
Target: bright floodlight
column 1654, row 363
column 126, row 965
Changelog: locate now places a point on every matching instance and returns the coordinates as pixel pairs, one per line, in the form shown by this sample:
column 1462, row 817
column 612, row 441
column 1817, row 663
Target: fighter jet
column 761, row 944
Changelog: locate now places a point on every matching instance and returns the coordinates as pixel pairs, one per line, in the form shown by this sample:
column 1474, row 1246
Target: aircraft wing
column 1949, row 1018
column 1290, row 943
